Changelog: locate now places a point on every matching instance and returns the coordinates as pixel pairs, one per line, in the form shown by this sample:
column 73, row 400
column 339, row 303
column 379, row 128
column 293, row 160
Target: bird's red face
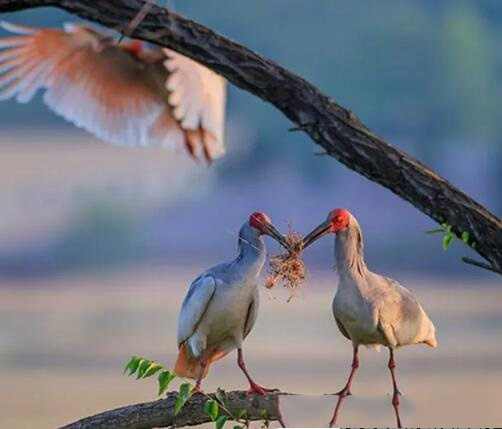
column 263, row 224
column 258, row 220
column 336, row 221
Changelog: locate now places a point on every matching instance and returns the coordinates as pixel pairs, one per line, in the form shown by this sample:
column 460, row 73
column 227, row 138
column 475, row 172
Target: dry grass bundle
column 287, row 267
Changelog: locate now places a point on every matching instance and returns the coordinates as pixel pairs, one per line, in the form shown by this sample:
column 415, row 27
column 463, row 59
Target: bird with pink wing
column 125, row 93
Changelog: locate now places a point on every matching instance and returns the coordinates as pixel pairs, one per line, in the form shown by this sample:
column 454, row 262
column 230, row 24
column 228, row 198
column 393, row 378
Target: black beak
column 318, row 232
column 270, row 230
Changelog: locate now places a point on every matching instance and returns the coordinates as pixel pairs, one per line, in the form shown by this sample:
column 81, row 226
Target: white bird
column 370, row 309
column 221, row 306
column 125, row 93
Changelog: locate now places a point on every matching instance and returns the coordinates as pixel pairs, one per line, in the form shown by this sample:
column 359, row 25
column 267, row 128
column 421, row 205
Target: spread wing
column 198, row 97
column 97, row 85
column 194, row 305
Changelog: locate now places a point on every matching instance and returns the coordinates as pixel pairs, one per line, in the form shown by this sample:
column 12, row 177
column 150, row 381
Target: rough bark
column 160, row 413
column 335, row 128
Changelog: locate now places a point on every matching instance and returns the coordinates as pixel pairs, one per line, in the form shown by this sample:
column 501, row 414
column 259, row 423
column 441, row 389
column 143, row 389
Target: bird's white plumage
column 195, row 304
column 120, row 96
column 372, row 309
column 198, row 97
column 220, row 309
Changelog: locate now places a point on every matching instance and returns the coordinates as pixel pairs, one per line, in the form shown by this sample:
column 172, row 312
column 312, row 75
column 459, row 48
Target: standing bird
column 124, row 93
column 370, row 309
column 221, row 306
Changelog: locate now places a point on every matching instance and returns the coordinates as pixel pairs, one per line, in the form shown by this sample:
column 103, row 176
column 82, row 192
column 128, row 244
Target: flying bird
column 368, row 308
column 125, row 93
column 221, row 306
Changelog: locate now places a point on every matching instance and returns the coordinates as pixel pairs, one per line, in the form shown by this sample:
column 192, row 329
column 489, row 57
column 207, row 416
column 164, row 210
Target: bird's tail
column 431, row 342
column 189, row 366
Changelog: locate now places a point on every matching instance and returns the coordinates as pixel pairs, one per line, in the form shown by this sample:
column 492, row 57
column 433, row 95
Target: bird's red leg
column 392, row 367
column 355, row 364
column 342, row 394
column 253, row 386
column 203, row 364
column 395, row 403
column 334, row 419
column 395, row 395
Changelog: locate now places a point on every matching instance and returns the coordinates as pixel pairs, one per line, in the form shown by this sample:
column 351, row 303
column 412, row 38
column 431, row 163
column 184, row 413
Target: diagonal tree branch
column 335, row 128
column 160, row 413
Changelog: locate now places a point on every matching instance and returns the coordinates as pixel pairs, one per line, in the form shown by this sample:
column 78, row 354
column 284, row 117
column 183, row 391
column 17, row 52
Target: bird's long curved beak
column 318, row 232
column 276, row 235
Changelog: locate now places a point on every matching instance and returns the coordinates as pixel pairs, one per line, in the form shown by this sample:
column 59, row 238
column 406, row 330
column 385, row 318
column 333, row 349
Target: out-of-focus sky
column 426, row 75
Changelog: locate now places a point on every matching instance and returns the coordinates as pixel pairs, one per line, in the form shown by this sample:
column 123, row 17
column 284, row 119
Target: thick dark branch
column 336, row 129
column 160, row 413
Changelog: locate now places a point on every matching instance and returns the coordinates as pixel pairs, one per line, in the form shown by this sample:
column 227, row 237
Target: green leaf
column 132, row 365
column 211, row 408
column 143, row 366
column 220, row 421
column 243, row 414
column 447, row 240
column 447, row 227
column 178, row 405
column 165, row 377
column 465, row 237
column 434, row 231
column 238, row 427
column 152, row 369
column 186, row 390
column 263, row 414
column 183, row 395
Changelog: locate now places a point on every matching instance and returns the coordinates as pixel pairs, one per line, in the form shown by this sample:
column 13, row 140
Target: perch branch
column 336, row 129
column 160, row 413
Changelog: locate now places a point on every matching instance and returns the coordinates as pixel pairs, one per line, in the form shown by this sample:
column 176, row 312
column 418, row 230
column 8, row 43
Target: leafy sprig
column 449, row 236
column 144, row 368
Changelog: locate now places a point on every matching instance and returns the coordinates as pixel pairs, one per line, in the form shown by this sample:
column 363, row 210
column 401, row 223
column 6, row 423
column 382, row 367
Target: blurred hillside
column 426, row 75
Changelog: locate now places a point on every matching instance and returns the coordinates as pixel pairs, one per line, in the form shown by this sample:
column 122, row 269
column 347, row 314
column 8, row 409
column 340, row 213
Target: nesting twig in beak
column 287, row 267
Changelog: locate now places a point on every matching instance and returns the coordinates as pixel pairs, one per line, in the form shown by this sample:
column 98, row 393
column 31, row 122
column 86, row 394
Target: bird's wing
column 197, row 96
column 194, row 305
column 252, row 313
column 97, row 85
column 400, row 317
column 342, row 328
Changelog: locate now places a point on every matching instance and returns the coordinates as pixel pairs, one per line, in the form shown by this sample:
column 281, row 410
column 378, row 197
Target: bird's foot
column 197, row 390
column 255, row 388
column 344, row 392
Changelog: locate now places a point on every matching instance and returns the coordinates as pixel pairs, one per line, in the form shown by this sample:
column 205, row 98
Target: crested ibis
column 124, row 93
column 221, row 306
column 368, row 308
